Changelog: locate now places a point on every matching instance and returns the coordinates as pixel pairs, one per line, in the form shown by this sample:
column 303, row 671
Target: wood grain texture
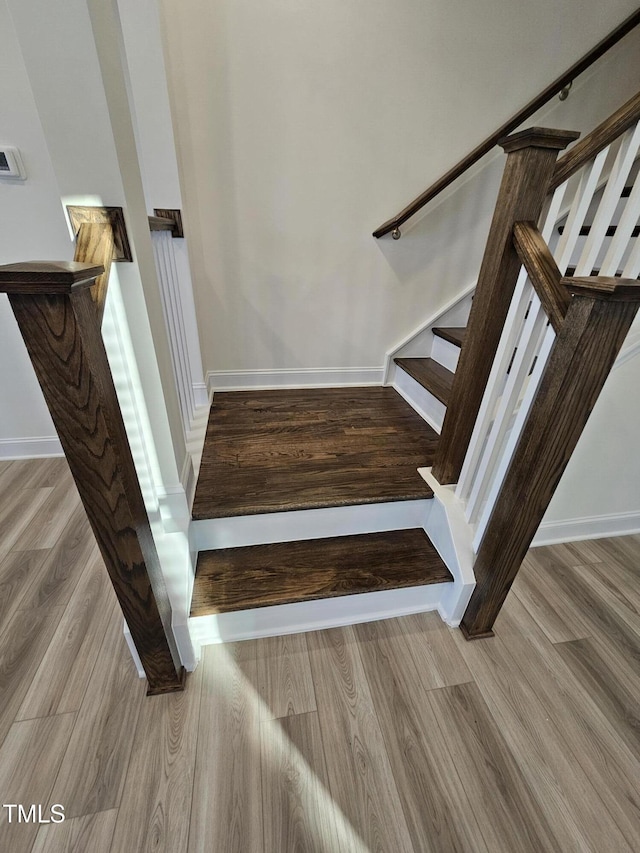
column 299, row 815
column 543, row 271
column 23, row 644
column 29, row 760
column 226, row 812
column 564, row 790
column 95, row 244
column 60, row 683
column 588, row 735
column 506, row 808
column 578, row 365
column 264, row 575
column 93, row 771
column 63, row 331
column 594, row 142
column 436, row 807
column 17, row 571
column 156, row 801
column 285, row 683
column 360, row 776
column 521, row 197
column 47, row 277
column 432, row 646
column 60, row 505
column 430, row 374
column 455, row 335
column 270, row 451
column 113, row 217
column 89, row 834
column 174, row 216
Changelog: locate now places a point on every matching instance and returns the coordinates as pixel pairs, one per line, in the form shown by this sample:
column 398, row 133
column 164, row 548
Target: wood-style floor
column 389, row 737
column 269, row 451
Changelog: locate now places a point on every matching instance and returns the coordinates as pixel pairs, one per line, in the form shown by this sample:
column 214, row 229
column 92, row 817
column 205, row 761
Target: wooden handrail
column 159, row 223
column 543, row 271
column 95, row 244
column 515, row 121
column 610, row 129
column 600, row 313
column 58, row 316
column 167, row 219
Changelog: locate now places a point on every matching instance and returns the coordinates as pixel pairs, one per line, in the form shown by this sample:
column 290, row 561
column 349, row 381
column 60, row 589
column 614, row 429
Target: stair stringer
column 452, row 537
column 419, row 343
column 449, row 599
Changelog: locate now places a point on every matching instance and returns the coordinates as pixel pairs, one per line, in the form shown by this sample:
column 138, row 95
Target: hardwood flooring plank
column 275, row 450
column 299, row 814
column 360, row 775
column 29, row 760
column 572, row 806
column 88, row 834
column 33, row 473
column 433, row 649
column 610, row 684
column 23, row 508
column 285, row 683
column 226, row 812
column 509, row 815
column 430, row 374
column 602, row 619
column 262, row 575
column 556, row 614
column 18, row 571
column 586, row 731
column 61, row 681
column 436, row 807
column 64, row 565
column 92, row 774
column 616, row 585
column 46, row 528
column 23, row 644
column 156, row 802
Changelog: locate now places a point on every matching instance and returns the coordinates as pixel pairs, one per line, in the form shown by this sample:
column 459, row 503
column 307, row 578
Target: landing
column 271, row 451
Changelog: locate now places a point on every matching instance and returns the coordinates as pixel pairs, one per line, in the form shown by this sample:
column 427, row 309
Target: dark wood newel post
column 530, row 162
column 58, row 319
column 600, row 313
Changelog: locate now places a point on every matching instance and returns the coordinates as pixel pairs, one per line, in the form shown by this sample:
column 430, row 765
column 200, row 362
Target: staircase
column 310, row 511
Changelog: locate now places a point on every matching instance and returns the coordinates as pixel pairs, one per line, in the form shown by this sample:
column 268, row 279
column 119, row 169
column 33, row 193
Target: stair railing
column 566, row 331
column 59, row 308
column 557, row 86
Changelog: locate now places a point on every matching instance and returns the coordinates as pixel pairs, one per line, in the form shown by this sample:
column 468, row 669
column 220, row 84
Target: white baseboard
column 590, row 527
column 310, row 377
column 30, row 448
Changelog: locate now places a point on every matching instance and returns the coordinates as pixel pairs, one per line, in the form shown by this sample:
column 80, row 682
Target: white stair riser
column 445, row 353
column 298, row 525
column 422, row 401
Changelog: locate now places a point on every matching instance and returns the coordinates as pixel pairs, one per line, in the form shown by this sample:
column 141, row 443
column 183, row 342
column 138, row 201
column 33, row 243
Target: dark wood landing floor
column 271, row 451
column 263, row 575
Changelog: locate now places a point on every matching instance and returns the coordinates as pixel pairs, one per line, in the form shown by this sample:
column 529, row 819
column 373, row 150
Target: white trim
column 588, row 527
column 298, row 525
column 432, row 320
column 30, row 448
column 315, row 615
column 630, row 350
column 306, row 377
column 421, row 401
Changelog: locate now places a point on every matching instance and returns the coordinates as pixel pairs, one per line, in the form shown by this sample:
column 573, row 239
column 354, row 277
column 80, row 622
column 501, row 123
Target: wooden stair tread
column 430, row 374
column 265, row 575
column 273, row 451
column 454, row 334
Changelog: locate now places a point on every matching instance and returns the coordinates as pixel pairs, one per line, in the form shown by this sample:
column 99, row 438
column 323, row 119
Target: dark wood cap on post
column 538, row 137
column 43, row 277
column 611, row 289
column 531, row 157
column 59, row 322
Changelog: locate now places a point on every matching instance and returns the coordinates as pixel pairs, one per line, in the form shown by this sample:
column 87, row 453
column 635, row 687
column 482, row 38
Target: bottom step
column 243, row 578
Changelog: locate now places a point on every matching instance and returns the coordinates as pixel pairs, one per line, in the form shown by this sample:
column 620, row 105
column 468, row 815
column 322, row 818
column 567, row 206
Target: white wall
column 32, row 226
column 301, row 127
